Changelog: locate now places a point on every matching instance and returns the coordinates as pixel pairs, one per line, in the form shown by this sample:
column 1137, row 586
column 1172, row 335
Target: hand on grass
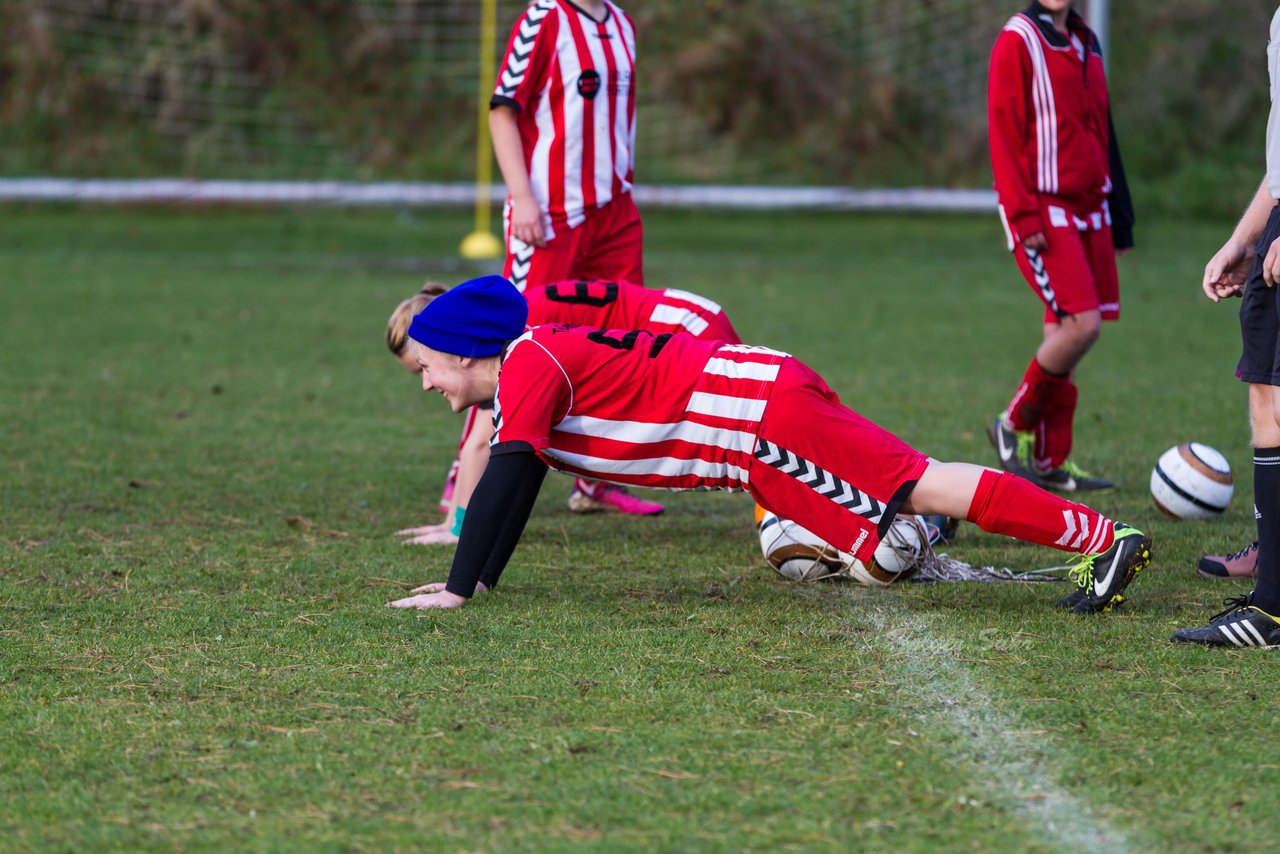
column 442, row 599
column 432, row 538
column 428, row 535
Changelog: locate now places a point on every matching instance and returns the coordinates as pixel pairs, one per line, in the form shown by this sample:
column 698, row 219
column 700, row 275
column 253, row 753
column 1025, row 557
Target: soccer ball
column 1192, row 481
column 898, row 557
column 796, row 552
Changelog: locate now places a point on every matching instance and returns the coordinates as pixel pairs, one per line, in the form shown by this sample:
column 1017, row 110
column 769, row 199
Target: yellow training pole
column 482, row 243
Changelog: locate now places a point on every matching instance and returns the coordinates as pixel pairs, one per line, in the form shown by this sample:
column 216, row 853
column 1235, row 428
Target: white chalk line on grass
column 1012, row 763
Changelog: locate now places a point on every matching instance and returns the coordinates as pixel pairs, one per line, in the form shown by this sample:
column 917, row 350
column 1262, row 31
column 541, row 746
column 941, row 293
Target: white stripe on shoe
column 1228, row 630
column 1256, row 634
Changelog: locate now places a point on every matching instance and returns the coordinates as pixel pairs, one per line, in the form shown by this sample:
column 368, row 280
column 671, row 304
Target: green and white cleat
column 1100, row 578
column 1015, row 448
column 1069, row 477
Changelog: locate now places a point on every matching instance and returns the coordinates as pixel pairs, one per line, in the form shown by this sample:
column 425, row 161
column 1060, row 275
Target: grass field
column 205, row 449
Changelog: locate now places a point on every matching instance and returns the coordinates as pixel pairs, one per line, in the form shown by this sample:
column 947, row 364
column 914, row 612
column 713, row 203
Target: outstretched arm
column 495, row 520
column 472, row 459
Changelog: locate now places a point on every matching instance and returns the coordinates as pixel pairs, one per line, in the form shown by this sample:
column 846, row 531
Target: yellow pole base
column 479, row 245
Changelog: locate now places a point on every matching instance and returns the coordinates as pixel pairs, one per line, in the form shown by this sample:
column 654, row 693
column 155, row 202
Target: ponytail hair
column 398, row 324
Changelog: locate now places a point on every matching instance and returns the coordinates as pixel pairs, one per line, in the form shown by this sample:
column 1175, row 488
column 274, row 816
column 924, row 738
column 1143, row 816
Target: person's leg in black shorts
column 1253, row 620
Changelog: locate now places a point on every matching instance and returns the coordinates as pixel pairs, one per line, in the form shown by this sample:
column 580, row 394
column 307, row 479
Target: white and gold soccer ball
column 795, row 552
column 1192, row 481
column 898, row 556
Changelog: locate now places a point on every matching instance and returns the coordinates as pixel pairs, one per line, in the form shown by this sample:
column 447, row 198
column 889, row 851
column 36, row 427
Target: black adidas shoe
column 1069, row 477
column 1241, row 624
column 1101, row 577
column 1014, row 448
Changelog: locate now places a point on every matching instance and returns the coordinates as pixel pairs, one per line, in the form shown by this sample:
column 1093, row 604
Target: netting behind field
column 843, row 92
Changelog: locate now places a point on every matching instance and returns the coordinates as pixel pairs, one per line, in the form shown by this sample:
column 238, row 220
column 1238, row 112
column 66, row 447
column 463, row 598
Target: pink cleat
column 446, row 495
column 592, row 497
column 1242, row 564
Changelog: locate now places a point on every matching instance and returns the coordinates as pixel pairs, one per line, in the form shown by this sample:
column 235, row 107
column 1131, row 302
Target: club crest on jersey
column 589, row 84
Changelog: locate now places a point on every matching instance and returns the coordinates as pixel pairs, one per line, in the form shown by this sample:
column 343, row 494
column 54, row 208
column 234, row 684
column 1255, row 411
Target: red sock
column 1006, row 504
column 1053, row 438
column 1037, row 390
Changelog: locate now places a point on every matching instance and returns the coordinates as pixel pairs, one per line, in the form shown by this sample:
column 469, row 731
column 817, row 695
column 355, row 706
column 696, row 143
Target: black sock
column 1266, row 505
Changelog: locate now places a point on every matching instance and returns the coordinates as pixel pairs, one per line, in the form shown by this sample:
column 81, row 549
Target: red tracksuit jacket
column 1050, row 128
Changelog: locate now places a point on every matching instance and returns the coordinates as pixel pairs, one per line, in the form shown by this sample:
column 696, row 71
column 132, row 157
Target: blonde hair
column 398, row 325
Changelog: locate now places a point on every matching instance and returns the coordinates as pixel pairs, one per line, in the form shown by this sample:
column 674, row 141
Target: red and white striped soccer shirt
column 631, row 407
column 571, row 80
column 622, row 305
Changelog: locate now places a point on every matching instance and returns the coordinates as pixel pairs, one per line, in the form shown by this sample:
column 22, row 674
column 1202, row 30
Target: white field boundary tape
column 417, row 194
column 1013, row 766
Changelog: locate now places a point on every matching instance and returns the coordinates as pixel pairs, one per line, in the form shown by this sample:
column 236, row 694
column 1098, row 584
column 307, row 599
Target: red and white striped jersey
column 572, row 81
column 631, row 407
column 1049, row 124
column 622, row 305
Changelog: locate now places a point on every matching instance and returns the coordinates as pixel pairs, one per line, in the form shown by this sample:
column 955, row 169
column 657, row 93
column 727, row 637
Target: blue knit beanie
column 475, row 319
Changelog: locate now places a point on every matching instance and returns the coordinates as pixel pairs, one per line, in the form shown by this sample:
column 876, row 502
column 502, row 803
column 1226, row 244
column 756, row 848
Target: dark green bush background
column 861, row 92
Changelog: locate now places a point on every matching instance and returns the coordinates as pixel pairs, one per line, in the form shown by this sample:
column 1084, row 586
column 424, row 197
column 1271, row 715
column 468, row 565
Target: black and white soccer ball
column 795, row 552
column 899, row 555
column 1192, row 481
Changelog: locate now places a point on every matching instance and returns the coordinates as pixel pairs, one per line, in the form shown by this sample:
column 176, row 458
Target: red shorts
column 607, row 245
column 1077, row 271
column 824, row 466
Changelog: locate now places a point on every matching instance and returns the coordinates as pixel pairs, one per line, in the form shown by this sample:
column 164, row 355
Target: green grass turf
column 206, row 449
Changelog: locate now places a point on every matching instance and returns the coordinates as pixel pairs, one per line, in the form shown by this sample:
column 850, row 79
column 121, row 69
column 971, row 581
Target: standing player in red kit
column 1066, row 211
column 675, row 412
column 563, row 121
